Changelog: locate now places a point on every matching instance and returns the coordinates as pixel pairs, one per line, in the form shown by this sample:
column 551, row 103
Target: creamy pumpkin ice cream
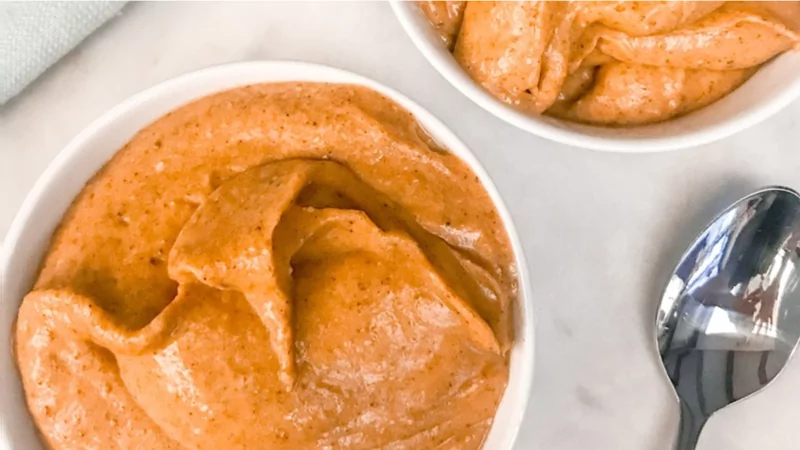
column 283, row 266
column 614, row 62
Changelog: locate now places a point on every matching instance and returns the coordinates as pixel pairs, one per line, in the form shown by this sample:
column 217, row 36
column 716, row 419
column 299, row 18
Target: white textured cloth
column 34, row 35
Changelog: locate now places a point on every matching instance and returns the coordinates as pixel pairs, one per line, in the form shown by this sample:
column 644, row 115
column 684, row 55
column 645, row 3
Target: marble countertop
column 601, row 231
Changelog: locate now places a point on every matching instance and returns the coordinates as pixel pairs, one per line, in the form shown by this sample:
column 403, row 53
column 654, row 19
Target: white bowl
column 30, row 233
column 774, row 86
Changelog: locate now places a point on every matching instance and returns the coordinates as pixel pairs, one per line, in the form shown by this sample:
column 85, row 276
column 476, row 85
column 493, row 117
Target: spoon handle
column 692, row 423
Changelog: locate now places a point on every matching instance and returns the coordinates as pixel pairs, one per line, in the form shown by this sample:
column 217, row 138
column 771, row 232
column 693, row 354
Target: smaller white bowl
column 41, row 212
column 774, row 86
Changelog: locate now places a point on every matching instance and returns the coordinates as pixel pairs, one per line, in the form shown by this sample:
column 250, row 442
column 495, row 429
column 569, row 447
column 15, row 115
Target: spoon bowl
column 729, row 320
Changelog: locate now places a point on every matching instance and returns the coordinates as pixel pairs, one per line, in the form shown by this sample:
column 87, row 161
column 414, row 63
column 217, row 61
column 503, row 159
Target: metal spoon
column 730, row 317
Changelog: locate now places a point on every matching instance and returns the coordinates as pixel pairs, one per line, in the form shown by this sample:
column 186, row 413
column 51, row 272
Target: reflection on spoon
column 729, row 319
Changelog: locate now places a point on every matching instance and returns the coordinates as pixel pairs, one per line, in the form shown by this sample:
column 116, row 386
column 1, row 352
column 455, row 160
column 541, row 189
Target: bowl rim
column 405, row 14
column 523, row 349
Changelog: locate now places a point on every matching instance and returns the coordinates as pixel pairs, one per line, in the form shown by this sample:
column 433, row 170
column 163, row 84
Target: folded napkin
column 34, row 35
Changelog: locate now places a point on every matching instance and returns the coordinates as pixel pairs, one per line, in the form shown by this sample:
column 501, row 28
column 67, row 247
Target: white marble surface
column 601, row 230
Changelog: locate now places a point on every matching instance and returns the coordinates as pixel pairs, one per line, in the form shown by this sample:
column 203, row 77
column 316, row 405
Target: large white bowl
column 30, row 233
column 774, row 86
